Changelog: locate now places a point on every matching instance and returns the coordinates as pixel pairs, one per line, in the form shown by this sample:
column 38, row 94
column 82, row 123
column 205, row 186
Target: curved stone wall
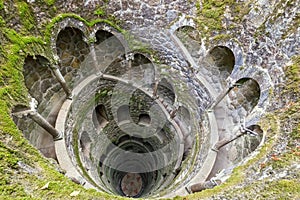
column 152, row 111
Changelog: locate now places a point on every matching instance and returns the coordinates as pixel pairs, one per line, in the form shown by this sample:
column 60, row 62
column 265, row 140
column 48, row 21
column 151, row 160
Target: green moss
column 292, row 73
column 282, row 189
column 25, row 14
column 50, row 2
column 1, row 4
column 100, row 12
column 210, row 15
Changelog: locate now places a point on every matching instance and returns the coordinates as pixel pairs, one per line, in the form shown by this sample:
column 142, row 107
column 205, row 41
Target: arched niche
column 142, row 70
column 223, row 58
column 102, row 35
column 255, row 141
column 187, row 32
column 184, row 115
column 132, row 66
column 123, row 114
column 191, row 39
column 246, row 94
column 109, row 51
column 71, row 49
column 165, row 90
column 100, row 117
column 38, row 77
column 85, row 144
column 144, row 119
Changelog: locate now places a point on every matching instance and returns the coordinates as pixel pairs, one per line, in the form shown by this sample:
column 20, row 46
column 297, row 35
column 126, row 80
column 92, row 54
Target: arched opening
column 85, row 146
column 44, row 88
column 109, row 53
column 184, row 115
column 38, row 77
column 223, row 59
column 100, row 117
column 246, row 95
column 102, row 35
column 71, row 49
column 251, row 142
column 142, row 70
column 166, row 91
column 191, row 39
column 144, row 119
column 185, row 125
column 123, row 114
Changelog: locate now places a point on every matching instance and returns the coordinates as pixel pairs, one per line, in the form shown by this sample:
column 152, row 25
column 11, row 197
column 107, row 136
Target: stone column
column 36, row 117
column 95, row 61
column 203, row 186
column 222, row 95
column 155, row 88
column 129, row 59
column 62, row 81
column 243, row 131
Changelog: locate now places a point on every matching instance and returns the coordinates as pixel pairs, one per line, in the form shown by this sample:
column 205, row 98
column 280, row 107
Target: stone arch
column 85, row 144
column 109, row 49
column 166, row 91
column 187, row 31
column 184, row 116
column 245, row 95
column 254, row 142
column 191, row 41
column 134, row 66
column 112, row 30
column 71, row 49
column 64, row 23
column 144, row 119
column 39, row 79
column 183, row 21
column 223, row 58
column 44, row 88
column 123, row 114
column 143, row 70
column 100, row 117
column 102, row 35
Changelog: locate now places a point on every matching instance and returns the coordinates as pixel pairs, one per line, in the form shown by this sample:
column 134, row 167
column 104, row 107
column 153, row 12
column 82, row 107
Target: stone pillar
column 62, row 81
column 95, row 61
column 41, row 121
column 203, row 186
column 155, row 89
column 243, row 131
column 173, row 113
column 222, row 95
column 35, row 116
column 223, row 142
column 129, row 59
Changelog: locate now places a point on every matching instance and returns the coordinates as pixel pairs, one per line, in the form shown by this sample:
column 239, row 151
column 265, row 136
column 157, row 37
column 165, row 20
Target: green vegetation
column 50, row 2
column 100, row 12
column 26, row 17
column 1, row 4
column 210, row 15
